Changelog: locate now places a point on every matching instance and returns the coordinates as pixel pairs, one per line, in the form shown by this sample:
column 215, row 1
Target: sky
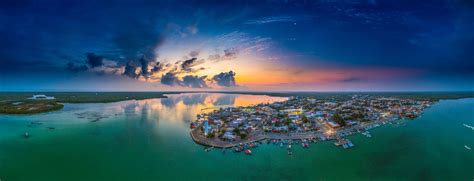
column 273, row 45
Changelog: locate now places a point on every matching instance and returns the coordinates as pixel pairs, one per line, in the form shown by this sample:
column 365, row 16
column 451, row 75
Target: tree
column 304, row 119
column 338, row 119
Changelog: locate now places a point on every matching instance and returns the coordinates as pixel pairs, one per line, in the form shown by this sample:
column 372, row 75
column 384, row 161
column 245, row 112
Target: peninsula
column 301, row 119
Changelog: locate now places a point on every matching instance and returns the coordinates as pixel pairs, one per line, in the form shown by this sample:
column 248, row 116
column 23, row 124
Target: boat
column 26, row 135
column 248, row 151
column 252, row 145
column 236, row 149
column 367, row 134
column 208, row 149
column 193, row 125
column 350, row 144
column 345, row 146
column 467, row 147
column 467, row 126
column 289, row 146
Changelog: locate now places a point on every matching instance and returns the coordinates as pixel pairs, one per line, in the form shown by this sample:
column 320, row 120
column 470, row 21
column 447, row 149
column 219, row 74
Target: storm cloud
column 139, row 38
column 131, row 71
column 94, row 60
column 144, row 67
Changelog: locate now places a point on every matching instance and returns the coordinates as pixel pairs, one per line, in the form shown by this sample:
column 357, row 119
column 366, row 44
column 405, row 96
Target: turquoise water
column 149, row 140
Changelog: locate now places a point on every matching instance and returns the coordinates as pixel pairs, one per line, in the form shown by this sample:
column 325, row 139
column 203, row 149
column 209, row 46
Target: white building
column 41, row 97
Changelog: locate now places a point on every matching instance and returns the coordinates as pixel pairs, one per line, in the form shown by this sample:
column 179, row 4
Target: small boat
column 350, row 144
column 467, row 147
column 252, row 145
column 467, row 126
column 248, row 151
column 281, row 144
column 37, row 122
column 289, row 146
column 26, row 135
column 236, row 149
column 345, row 146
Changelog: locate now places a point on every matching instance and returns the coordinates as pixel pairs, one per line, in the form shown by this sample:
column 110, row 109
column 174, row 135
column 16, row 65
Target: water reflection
column 175, row 108
column 173, row 113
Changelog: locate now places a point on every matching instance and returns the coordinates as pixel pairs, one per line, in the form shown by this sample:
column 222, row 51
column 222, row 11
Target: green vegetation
column 338, row 119
column 28, row 107
column 85, row 97
column 242, row 134
column 18, row 102
column 211, row 135
column 304, row 119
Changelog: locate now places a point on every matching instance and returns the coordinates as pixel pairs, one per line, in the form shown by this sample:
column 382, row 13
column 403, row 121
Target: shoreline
column 216, row 143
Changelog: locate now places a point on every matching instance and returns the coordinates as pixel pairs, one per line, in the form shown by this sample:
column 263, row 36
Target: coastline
column 216, row 143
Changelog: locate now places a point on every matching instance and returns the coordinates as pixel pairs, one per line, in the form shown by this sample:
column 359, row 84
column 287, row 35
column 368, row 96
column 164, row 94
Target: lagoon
column 149, row 140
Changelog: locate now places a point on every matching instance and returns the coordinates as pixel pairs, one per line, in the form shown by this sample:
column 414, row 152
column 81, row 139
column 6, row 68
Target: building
column 41, row 97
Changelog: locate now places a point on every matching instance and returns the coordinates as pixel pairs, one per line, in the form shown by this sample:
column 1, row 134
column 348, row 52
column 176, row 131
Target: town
column 300, row 120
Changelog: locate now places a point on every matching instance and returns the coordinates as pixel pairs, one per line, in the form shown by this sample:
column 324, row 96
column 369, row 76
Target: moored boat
column 26, row 135
column 248, row 151
column 467, row 147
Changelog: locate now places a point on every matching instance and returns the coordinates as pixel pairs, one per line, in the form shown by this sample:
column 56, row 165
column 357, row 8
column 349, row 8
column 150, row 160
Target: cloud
column 144, row 67
column 170, row 79
column 187, row 65
column 225, row 79
column 192, row 29
column 94, row 60
column 131, row 71
column 229, row 54
column 275, row 19
column 194, row 81
column 351, row 79
column 76, row 68
column 238, row 44
column 139, row 38
column 194, row 53
column 157, row 68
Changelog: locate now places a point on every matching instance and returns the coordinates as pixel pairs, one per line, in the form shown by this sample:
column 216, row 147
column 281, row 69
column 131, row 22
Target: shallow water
column 149, row 140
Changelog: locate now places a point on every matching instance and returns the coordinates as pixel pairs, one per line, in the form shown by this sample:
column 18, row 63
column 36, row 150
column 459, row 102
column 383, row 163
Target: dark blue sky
column 237, row 45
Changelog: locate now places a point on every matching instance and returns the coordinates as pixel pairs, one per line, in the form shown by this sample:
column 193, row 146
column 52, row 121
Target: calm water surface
column 149, row 140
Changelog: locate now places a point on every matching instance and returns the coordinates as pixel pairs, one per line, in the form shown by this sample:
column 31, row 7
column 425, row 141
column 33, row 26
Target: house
column 332, row 124
column 41, row 97
column 229, row 135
